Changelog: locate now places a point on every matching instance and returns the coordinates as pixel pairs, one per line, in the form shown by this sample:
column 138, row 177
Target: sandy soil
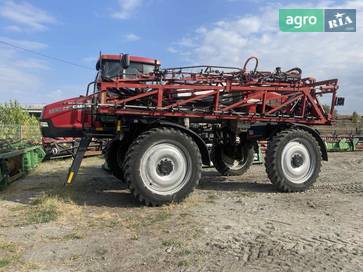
column 228, row 224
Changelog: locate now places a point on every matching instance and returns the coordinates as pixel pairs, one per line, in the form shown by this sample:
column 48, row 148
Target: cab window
column 113, row 68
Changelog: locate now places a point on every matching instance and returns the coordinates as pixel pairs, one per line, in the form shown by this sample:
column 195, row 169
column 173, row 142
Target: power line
column 44, row 55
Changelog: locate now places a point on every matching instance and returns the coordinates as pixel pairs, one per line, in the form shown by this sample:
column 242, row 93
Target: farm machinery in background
column 17, row 159
column 65, row 147
column 160, row 121
column 342, row 143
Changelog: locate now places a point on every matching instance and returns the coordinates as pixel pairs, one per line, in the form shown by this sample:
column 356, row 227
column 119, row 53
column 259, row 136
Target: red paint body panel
column 64, row 119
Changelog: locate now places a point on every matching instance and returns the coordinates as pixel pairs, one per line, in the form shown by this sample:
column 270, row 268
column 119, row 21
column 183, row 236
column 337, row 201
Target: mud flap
column 77, row 160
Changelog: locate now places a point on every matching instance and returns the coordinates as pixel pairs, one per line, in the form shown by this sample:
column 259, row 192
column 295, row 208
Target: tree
column 355, row 117
column 326, row 109
column 11, row 113
column 17, row 124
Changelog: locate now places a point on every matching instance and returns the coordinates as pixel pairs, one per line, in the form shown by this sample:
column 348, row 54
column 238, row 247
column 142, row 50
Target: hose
column 247, row 61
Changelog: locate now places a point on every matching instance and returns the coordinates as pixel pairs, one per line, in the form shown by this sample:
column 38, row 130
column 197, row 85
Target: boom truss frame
column 250, row 97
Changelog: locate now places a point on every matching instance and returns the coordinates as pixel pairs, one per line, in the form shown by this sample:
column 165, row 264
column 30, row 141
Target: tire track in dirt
column 261, row 251
column 346, row 188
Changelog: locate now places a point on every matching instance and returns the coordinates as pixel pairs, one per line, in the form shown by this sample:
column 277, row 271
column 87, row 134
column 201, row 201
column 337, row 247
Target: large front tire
column 293, row 160
column 162, row 165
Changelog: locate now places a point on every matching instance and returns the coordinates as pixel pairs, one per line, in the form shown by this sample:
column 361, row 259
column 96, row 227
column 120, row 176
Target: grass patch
column 171, row 242
column 8, row 253
column 183, row 263
column 44, row 210
column 18, row 208
column 5, row 261
column 159, row 217
column 8, row 246
column 146, row 220
column 183, row 252
column 72, row 236
column 104, row 220
column 67, row 237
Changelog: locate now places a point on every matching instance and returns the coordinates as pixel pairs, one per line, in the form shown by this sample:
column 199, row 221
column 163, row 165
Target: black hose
column 247, row 61
column 297, row 69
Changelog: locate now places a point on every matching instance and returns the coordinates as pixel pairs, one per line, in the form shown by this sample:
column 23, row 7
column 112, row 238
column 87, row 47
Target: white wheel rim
column 232, row 163
column 298, row 162
column 165, row 168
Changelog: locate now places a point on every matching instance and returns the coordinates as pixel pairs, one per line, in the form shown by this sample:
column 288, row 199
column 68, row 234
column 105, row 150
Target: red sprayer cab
column 69, row 118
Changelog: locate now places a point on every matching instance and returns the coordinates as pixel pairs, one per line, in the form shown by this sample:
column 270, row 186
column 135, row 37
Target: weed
column 183, row 263
column 5, row 261
column 67, row 237
column 72, row 236
column 183, row 252
column 170, row 242
column 8, row 253
column 8, row 246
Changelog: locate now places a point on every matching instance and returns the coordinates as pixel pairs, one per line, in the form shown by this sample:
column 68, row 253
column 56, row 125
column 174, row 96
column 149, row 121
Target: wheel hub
column 297, row 160
column 165, row 167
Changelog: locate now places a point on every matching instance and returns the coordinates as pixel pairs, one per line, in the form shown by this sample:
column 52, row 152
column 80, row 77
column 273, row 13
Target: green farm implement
column 341, row 144
column 18, row 159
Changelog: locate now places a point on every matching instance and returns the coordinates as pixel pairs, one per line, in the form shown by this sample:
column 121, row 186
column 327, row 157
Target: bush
column 17, row 124
column 12, row 114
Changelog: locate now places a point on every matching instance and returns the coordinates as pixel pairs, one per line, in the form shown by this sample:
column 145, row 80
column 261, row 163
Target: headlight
column 43, row 124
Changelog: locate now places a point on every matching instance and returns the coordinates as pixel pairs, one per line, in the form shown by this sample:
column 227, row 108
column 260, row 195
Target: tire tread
column 133, row 154
column 271, row 160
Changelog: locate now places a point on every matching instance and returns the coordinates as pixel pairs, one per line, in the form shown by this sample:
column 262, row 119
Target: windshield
column 113, row 68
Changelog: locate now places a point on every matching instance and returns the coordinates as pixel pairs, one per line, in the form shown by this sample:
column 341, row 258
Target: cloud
column 25, row 16
column 20, row 76
column 31, row 64
column 126, row 8
column 55, row 95
column 12, row 28
column 131, row 37
column 64, row 91
column 30, row 45
column 323, row 55
column 172, row 49
column 17, row 84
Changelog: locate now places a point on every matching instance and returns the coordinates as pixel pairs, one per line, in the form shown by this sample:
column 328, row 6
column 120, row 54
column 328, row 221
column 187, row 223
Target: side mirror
column 125, row 61
column 340, row 101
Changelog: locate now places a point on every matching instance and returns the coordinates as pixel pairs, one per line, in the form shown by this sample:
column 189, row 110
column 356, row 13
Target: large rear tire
column 162, row 165
column 232, row 161
column 115, row 157
column 293, row 160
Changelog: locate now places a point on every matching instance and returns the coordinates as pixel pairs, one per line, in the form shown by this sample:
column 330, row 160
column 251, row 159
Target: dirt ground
column 227, row 224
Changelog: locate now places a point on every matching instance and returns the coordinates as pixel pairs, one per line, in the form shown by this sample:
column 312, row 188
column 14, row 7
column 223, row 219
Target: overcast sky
column 219, row 32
